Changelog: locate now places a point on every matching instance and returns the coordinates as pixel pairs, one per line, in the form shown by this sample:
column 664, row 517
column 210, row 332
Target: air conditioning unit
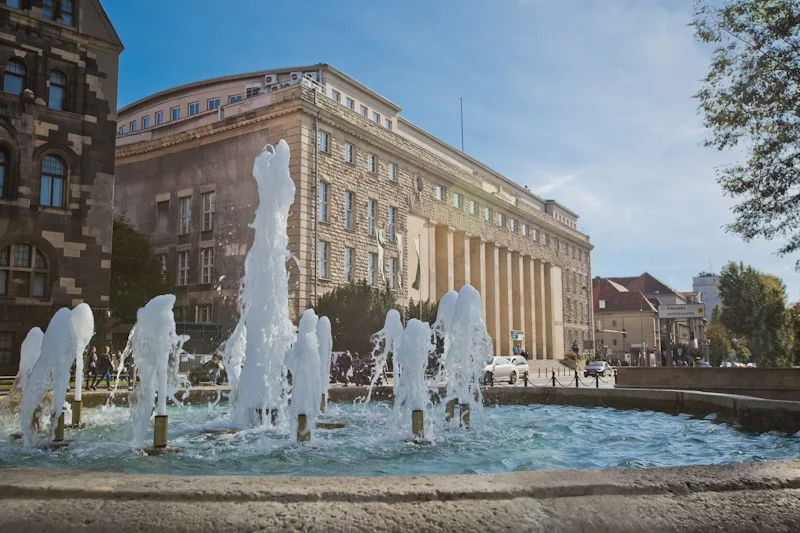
column 295, row 77
column 270, row 79
column 312, row 75
column 275, row 87
column 286, row 84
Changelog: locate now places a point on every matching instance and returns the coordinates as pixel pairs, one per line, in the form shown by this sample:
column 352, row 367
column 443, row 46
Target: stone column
column 505, row 301
column 477, row 271
column 493, row 294
column 517, row 293
column 539, row 308
column 444, row 260
column 528, row 299
column 557, row 306
column 462, row 260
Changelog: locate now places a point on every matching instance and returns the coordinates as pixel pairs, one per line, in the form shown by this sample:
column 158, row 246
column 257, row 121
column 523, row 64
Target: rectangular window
column 133, row 126
column 364, row 110
column 388, row 124
column 524, row 230
column 348, row 264
column 546, row 239
column 234, row 98
column 322, row 260
column 473, row 207
column 336, row 96
column 456, row 200
column 349, row 153
column 194, row 108
column 487, row 214
column 175, row 113
column 601, row 304
column 349, row 201
column 145, row 123
column 441, row 193
column 186, row 215
column 183, row 268
column 14, row 3
column 393, row 272
column 372, row 269
column 209, row 201
column 207, row 265
column 159, row 118
column 3, row 282
column 203, row 314
column 376, row 118
column 535, row 235
column 162, row 261
column 501, row 220
column 372, row 163
column 392, row 223
column 323, row 202
column 213, row 103
column 351, row 104
column 122, row 130
column 323, row 141
column 7, row 352
column 250, row 92
column 372, row 216
column 393, row 171
column 573, row 252
column 514, row 225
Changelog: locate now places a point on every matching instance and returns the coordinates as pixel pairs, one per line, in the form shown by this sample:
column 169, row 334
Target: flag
column 381, row 239
column 400, row 250
column 418, row 277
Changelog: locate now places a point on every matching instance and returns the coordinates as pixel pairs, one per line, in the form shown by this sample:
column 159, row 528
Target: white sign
column 517, row 335
column 682, row 311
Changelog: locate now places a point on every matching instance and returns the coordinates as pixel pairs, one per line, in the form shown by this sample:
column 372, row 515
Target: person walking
column 91, row 370
column 104, row 368
column 344, row 362
column 216, row 369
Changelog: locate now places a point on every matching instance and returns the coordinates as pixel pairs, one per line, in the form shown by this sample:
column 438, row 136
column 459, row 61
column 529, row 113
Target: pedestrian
column 216, row 369
column 344, row 363
column 91, row 371
column 104, row 368
column 516, row 349
column 130, row 369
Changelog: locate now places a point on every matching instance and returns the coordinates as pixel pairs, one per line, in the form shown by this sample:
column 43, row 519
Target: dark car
column 595, row 368
column 200, row 373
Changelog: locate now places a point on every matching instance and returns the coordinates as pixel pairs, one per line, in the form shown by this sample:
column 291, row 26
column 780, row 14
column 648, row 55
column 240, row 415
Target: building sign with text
column 517, row 336
column 682, row 311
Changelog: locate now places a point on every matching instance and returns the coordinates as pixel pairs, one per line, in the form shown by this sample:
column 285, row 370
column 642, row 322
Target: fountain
column 325, row 341
column 412, row 360
column 83, row 324
column 441, row 328
column 29, row 354
column 233, row 355
column 391, row 336
column 303, row 362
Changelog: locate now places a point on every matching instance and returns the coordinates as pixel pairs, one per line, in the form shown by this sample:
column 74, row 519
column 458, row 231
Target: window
column 524, row 230
column 372, row 216
column 349, row 153
column 393, row 171
column 7, row 344
column 351, row 104
column 376, row 118
column 194, row 108
column 323, row 141
column 388, row 124
column 323, row 202
column 336, row 96
column 514, row 225
column 573, row 251
column 456, row 200
column 145, row 123
column 203, row 314
column 60, row 10
column 185, row 215
column 209, row 201
column 487, row 214
column 14, row 78
column 175, row 113
column 14, row 3
column 213, row 103
column 535, row 235
column 441, row 192
column 322, row 259
column 348, row 264
column 122, row 130
column 159, row 118
column 418, row 183
column 57, row 91
column 473, row 207
column 133, row 126
column 372, row 163
column 207, row 265
column 54, row 179
column 501, row 220
column 235, row 98
column 349, row 200
column 162, row 261
column 393, row 273
column 613, row 323
column 392, row 223
column 3, row 173
column 372, row 268
column 364, row 110
column 546, row 239
column 250, row 92
column 183, row 268
column 23, row 271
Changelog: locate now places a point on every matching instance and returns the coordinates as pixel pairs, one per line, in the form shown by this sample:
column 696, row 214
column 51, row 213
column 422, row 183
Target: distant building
column 706, row 284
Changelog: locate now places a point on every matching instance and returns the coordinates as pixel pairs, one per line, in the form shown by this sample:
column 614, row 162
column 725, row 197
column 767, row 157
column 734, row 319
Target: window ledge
column 55, row 210
column 26, row 300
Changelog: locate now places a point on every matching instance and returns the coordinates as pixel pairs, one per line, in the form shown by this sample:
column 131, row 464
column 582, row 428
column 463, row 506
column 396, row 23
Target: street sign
column 682, row 311
column 517, row 336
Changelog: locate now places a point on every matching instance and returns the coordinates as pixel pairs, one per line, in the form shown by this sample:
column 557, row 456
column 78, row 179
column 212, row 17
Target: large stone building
column 57, row 130
column 184, row 177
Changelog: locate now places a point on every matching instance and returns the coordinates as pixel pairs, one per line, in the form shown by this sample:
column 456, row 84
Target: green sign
column 517, row 335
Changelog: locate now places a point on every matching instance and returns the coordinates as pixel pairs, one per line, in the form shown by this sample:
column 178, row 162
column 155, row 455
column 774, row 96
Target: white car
column 499, row 369
column 521, row 364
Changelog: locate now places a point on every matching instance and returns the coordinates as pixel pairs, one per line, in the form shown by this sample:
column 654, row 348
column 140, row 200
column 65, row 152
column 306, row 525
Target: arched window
column 54, row 180
column 23, row 271
column 14, row 78
column 58, row 91
column 3, row 173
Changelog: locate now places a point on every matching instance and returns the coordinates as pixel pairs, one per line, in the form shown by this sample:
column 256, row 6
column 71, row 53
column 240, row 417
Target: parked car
column 600, row 368
column 704, row 364
column 499, row 369
column 200, row 373
column 521, row 365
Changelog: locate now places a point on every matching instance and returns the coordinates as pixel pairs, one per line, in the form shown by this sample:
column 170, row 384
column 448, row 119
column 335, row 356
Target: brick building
column 184, row 178
column 57, row 131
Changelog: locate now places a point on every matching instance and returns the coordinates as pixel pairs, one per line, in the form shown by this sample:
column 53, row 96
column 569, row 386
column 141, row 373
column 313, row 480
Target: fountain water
column 29, row 354
column 412, row 357
column 83, row 324
column 265, row 293
column 441, row 328
column 391, row 336
column 303, row 362
column 233, row 355
column 325, row 341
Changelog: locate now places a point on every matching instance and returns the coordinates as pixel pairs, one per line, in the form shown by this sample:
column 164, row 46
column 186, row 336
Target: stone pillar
column 477, row 271
column 493, row 294
column 462, row 260
column 517, row 294
column 557, row 306
column 444, row 261
column 528, row 299
column 505, row 301
column 539, row 309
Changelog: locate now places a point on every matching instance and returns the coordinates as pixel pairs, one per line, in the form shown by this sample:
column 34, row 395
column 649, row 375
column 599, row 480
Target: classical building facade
column 57, row 131
column 184, row 177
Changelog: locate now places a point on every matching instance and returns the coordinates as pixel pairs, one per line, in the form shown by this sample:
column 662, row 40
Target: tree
column 429, row 310
column 751, row 95
column 136, row 274
column 356, row 312
column 716, row 313
column 719, row 349
column 740, row 290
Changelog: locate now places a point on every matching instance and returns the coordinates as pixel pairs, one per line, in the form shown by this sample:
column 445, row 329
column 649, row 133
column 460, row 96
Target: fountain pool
column 512, row 438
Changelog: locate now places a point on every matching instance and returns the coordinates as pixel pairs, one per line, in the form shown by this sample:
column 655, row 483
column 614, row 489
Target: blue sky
column 586, row 102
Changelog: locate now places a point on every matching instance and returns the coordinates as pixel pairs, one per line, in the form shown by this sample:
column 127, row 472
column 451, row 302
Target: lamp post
column 590, row 321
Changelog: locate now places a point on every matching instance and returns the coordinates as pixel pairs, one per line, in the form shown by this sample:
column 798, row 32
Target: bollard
column 615, row 376
column 525, row 379
column 597, row 381
column 77, row 412
column 465, row 415
column 160, row 431
column 59, row 436
column 322, row 404
column 418, row 424
column 576, row 379
column 554, row 379
column 491, row 379
column 450, row 410
column 303, row 433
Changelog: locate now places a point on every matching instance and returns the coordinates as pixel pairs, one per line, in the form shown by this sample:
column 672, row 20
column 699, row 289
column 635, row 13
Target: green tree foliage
column 740, row 289
column 751, row 95
column 719, row 346
column 716, row 313
column 794, row 317
column 356, row 311
column 429, row 310
column 136, row 274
